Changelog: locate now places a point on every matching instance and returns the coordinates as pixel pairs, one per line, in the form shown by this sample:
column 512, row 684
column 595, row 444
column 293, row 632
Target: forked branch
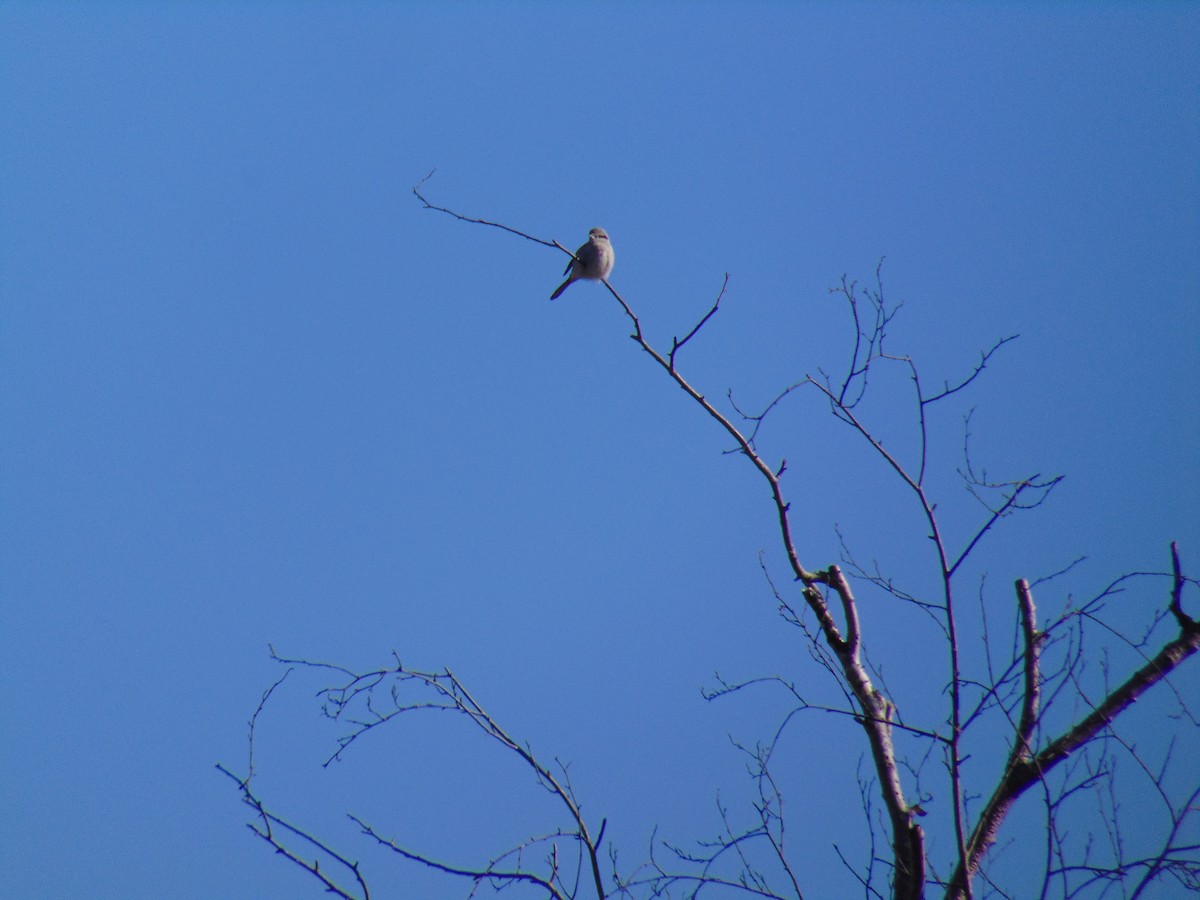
column 1025, row 768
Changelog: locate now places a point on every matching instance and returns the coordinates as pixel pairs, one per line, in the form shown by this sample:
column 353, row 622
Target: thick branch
column 1022, row 773
column 908, row 838
column 1023, row 747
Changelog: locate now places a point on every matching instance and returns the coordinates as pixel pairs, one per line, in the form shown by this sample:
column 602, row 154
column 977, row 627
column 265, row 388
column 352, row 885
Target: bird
column 594, row 260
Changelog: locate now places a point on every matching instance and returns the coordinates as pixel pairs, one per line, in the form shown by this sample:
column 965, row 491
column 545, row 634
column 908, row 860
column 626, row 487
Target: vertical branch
column 955, row 695
column 1023, row 748
column 908, row 838
column 1021, row 752
column 1177, row 582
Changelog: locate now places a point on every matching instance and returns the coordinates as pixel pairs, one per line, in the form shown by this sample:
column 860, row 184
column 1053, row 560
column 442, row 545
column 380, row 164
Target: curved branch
column 451, row 695
column 511, row 877
column 975, row 373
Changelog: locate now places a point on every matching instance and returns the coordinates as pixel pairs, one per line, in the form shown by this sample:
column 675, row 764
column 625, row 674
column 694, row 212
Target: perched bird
column 593, row 260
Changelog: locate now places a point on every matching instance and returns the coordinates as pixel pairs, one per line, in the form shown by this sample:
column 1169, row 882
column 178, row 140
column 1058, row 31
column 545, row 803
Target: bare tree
column 1037, row 687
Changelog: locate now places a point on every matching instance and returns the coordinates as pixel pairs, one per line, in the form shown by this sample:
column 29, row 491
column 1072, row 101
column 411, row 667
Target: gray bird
column 593, row 260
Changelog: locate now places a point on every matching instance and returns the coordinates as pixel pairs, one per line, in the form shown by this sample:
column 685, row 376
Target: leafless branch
column 489, row 873
column 450, row 694
column 975, row 373
column 529, row 237
column 254, row 723
column 1011, row 502
column 677, row 345
column 1023, row 771
column 868, row 339
column 265, row 830
column 761, row 417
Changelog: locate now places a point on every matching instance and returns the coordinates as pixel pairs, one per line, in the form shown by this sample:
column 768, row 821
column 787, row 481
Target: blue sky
column 251, row 392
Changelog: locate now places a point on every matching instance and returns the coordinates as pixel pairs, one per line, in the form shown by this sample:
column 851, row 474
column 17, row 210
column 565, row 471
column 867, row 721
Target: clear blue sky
column 251, row 392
